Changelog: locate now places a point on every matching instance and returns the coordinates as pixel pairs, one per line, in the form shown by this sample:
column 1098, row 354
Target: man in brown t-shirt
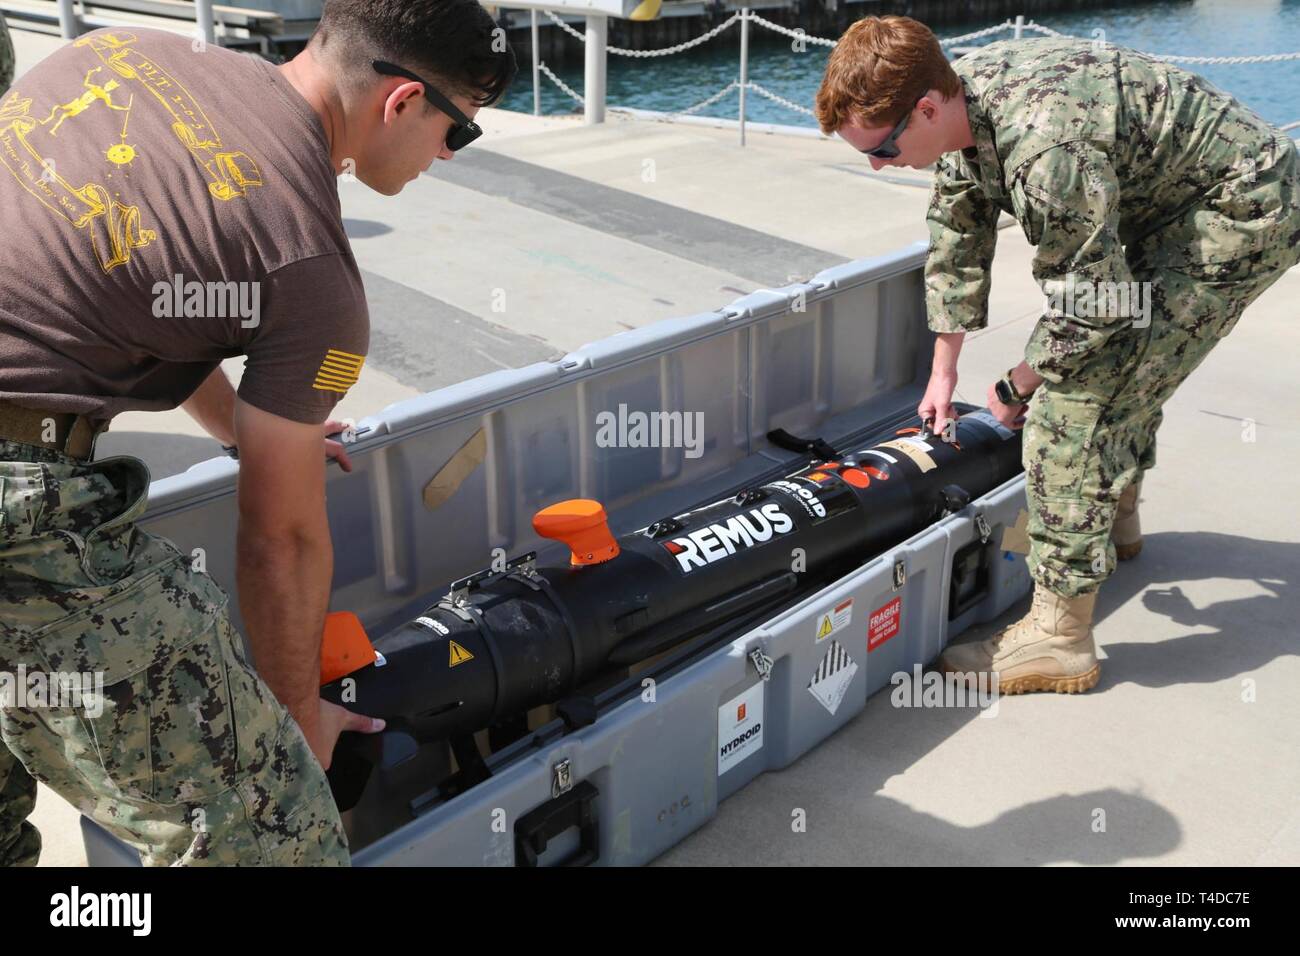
column 166, row 206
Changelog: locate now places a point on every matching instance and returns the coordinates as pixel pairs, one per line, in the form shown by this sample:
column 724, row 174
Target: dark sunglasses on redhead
column 888, row 147
column 463, row 132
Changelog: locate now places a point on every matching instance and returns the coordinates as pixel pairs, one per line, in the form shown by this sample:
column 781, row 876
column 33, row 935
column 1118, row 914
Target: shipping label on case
column 740, row 728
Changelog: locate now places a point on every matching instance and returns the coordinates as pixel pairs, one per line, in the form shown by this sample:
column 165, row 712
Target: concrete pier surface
column 547, row 234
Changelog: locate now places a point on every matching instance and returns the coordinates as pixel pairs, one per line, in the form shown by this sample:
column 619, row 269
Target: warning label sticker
column 883, row 623
column 914, row 449
column 833, row 676
column 833, row 620
column 458, row 654
column 740, row 728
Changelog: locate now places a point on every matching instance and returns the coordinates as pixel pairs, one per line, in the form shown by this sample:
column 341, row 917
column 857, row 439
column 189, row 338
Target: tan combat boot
column 1127, row 533
column 1050, row 648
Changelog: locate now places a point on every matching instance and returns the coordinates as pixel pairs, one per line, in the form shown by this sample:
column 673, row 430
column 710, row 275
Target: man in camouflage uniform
column 180, row 747
column 1159, row 207
column 228, row 174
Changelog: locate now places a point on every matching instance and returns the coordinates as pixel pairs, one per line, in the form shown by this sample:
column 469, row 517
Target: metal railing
column 594, row 110
column 73, row 17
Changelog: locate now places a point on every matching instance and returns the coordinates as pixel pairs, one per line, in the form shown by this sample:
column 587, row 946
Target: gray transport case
column 840, row 355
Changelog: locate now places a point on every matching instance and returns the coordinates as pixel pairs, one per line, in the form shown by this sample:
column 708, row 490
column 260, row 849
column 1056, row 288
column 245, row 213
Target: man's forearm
column 213, row 407
column 284, row 588
column 947, row 346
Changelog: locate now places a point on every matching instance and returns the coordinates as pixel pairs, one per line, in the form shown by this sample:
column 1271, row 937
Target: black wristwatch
column 1006, row 391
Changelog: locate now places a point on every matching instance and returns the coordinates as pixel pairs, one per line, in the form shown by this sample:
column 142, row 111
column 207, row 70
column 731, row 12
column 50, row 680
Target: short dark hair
column 453, row 42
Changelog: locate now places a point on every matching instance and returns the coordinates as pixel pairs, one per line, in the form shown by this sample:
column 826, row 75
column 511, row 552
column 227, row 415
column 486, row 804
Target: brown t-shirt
column 163, row 209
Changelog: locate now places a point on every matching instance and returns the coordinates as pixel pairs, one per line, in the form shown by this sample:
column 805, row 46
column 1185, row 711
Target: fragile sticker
column 833, row 620
column 740, row 728
column 883, row 623
column 833, row 676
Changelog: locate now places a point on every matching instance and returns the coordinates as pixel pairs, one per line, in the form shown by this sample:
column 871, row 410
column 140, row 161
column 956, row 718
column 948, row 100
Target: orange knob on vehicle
column 344, row 647
column 581, row 524
column 856, row 477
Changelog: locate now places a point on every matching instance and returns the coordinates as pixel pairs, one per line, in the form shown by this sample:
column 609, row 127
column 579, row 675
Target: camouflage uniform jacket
column 1104, row 156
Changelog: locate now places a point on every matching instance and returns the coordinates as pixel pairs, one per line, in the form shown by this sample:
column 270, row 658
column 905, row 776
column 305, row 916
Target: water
column 1199, row 28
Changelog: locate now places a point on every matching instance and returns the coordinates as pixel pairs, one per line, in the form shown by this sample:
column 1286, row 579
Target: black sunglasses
column 463, row 131
column 888, row 147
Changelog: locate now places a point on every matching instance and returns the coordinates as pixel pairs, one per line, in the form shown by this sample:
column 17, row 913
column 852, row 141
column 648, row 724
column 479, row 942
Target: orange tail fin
column 344, row 648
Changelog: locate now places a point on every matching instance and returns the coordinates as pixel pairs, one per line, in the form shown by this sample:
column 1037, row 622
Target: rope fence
column 746, row 17
column 646, row 54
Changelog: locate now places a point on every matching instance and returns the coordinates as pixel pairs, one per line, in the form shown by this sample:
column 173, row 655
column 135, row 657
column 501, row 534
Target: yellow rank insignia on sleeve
column 339, row 371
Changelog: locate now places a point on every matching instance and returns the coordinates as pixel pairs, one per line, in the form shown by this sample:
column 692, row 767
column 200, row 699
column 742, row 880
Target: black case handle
column 576, row 808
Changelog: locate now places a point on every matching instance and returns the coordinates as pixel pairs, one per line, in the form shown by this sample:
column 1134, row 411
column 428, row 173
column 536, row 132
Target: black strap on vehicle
column 808, row 446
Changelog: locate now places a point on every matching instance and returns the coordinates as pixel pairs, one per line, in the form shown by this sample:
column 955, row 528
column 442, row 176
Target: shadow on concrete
column 365, row 228
column 164, row 454
column 1224, row 639
column 1059, row 829
column 876, row 829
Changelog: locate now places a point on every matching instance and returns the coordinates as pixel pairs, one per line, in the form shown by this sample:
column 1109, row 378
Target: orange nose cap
column 581, row 524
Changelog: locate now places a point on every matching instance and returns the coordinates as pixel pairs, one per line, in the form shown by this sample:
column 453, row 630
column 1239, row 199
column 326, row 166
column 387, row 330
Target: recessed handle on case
column 574, row 808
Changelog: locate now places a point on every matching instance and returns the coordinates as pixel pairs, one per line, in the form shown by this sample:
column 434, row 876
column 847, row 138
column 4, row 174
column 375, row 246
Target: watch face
column 1003, row 391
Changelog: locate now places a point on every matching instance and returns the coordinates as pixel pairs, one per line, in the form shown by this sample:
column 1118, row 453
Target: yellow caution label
column 458, row 654
column 826, row 627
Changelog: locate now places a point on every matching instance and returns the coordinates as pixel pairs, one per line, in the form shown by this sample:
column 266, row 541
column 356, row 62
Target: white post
column 68, row 25
column 1020, row 26
column 744, row 67
column 537, row 73
column 593, row 91
column 203, row 15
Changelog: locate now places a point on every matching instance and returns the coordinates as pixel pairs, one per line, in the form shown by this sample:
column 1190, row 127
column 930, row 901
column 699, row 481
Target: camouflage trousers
column 160, row 731
column 1085, row 441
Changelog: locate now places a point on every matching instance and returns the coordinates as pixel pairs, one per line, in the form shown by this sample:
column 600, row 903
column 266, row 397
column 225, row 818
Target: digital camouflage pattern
column 1120, row 169
column 187, row 754
column 1081, row 451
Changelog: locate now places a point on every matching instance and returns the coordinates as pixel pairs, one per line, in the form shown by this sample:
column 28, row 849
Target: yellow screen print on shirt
column 114, row 227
